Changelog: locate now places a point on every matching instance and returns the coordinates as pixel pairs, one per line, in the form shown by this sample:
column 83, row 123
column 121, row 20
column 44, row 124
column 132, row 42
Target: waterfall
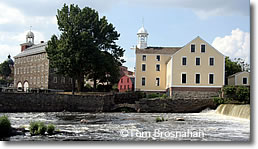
column 240, row 111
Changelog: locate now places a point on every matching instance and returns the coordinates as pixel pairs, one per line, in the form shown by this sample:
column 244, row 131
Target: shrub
column 238, row 93
column 5, row 126
column 158, row 119
column 50, row 129
column 154, row 95
column 243, row 94
column 164, row 96
column 230, row 92
column 42, row 128
column 218, row 100
column 140, row 94
column 37, row 128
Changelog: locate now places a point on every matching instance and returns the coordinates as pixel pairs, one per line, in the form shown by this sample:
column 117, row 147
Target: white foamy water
column 204, row 126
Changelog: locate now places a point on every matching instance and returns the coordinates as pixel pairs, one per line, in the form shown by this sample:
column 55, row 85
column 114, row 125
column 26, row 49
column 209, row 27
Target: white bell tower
column 142, row 38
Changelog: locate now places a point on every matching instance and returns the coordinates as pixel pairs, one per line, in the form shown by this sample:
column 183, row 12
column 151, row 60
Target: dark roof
column 158, row 50
column 35, row 49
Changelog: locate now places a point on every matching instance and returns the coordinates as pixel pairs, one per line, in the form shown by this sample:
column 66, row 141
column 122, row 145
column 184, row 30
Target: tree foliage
column 231, row 68
column 86, row 45
column 5, row 70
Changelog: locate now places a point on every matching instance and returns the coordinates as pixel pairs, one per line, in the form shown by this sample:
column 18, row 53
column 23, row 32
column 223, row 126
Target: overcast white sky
column 223, row 23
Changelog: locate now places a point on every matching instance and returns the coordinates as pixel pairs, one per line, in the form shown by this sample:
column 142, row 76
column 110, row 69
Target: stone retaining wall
column 33, row 102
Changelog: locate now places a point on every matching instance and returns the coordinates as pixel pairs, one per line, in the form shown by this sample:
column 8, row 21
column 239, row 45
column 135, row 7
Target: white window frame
column 63, row 80
column 156, row 81
column 201, row 47
column 246, row 80
column 200, row 60
column 182, row 61
column 182, row 77
column 210, row 61
column 209, row 78
column 191, row 47
column 159, row 58
column 145, row 67
column 144, row 82
column 145, row 58
column 199, row 78
column 159, row 67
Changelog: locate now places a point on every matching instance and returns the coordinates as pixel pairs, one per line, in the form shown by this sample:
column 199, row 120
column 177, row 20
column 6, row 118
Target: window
column 127, row 80
column 143, row 81
column 55, row 80
column 183, row 78
column 143, row 67
column 197, row 78
column 63, row 80
column 144, row 58
column 158, row 57
column 121, row 80
column 124, row 86
column 203, row 48
column 128, row 87
column 157, row 67
column 157, row 81
column 184, row 61
column 121, row 87
column 197, row 61
column 211, row 78
column 192, row 47
column 211, row 61
column 244, row 80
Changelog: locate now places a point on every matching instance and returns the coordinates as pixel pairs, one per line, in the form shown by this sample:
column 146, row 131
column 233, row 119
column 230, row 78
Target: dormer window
column 192, row 47
column 203, row 48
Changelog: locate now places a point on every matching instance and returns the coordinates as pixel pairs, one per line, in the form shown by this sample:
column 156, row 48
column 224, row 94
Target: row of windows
column 36, row 80
column 62, row 80
column 144, row 57
column 123, row 80
column 31, row 69
column 125, row 87
column 157, row 81
column 197, row 78
column 202, row 48
column 198, row 61
column 184, row 79
column 32, row 58
column 144, row 67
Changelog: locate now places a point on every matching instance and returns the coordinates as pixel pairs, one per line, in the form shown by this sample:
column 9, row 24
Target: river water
column 204, row 126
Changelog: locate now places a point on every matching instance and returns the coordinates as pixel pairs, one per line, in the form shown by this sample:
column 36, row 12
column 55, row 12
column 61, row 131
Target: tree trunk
column 95, row 84
column 80, row 83
column 73, row 86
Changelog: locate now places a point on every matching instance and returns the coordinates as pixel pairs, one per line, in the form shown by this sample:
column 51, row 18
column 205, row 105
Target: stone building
column 32, row 69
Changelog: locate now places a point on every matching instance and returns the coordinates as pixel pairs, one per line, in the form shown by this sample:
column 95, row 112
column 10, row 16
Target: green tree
column 231, row 67
column 5, row 70
column 84, row 37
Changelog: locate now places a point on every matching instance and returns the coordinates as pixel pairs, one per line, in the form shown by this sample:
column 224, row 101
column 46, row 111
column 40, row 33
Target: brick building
column 32, row 70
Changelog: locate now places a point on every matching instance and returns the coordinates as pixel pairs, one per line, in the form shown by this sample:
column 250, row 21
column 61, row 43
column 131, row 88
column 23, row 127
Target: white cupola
column 30, row 37
column 142, row 38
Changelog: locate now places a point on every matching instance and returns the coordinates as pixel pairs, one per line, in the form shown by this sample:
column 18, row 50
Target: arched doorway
column 19, row 87
column 26, row 86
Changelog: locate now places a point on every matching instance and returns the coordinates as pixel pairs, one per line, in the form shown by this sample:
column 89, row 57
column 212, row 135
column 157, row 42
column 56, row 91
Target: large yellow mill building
column 197, row 66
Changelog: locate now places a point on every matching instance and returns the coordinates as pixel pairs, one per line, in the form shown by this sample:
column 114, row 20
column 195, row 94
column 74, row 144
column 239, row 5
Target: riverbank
column 34, row 102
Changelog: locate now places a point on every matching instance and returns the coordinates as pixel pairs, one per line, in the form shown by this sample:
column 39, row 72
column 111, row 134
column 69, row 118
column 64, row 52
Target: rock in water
column 180, row 119
column 84, row 121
